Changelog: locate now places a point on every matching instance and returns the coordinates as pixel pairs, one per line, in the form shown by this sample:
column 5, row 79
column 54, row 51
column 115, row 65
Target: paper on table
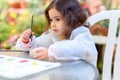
column 16, row 67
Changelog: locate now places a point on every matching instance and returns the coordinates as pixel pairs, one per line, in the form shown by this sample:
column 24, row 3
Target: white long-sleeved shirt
column 80, row 45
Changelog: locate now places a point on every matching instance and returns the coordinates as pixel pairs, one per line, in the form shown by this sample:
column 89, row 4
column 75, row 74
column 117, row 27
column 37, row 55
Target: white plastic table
column 73, row 70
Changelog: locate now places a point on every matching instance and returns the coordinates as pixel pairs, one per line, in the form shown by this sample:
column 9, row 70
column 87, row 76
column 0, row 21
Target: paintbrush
column 31, row 26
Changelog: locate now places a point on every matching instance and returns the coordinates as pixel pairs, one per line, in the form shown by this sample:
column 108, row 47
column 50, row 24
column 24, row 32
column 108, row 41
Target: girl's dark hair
column 72, row 12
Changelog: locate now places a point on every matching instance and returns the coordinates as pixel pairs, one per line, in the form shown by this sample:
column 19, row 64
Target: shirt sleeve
column 26, row 46
column 81, row 47
column 44, row 40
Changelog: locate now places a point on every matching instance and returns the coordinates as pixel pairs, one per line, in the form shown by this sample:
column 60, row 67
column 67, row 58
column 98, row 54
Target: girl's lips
column 55, row 30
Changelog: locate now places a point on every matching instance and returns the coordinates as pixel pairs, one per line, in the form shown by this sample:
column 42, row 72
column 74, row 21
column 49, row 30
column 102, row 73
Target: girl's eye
column 57, row 19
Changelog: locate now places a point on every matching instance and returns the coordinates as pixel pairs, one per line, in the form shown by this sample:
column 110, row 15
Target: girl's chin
column 58, row 34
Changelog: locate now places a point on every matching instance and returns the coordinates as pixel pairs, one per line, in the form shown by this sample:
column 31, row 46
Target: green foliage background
column 4, row 31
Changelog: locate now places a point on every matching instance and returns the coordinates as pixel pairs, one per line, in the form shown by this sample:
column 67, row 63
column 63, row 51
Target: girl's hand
column 40, row 53
column 26, row 35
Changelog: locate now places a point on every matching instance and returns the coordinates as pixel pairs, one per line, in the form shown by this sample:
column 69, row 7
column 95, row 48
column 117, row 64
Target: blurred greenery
column 35, row 6
column 39, row 23
column 4, row 31
column 105, row 24
column 110, row 6
column 23, row 20
column 3, row 5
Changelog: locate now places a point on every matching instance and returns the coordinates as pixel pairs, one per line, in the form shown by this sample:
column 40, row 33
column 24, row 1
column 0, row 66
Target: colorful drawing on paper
column 16, row 67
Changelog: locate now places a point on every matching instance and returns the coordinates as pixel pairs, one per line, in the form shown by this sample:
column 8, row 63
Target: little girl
column 67, row 38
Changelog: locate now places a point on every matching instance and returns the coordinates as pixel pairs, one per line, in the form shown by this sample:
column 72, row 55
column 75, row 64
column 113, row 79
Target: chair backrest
column 113, row 17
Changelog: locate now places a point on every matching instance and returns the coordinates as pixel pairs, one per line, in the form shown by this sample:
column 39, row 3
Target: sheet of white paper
column 16, row 67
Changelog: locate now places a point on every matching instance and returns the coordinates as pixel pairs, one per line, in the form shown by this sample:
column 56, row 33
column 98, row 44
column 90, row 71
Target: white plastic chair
column 113, row 17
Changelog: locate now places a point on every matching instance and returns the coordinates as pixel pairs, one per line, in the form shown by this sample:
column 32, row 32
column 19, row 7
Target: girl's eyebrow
column 58, row 17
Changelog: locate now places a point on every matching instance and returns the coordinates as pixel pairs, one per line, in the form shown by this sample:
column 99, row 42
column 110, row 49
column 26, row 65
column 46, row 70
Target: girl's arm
column 44, row 40
column 81, row 47
column 26, row 46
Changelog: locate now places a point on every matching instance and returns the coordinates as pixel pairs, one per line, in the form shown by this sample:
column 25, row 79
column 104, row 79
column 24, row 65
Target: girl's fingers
column 40, row 53
column 41, row 58
column 25, row 38
column 26, row 35
column 37, row 55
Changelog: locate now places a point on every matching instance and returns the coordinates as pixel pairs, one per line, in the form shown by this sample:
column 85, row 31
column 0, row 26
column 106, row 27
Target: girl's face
column 57, row 22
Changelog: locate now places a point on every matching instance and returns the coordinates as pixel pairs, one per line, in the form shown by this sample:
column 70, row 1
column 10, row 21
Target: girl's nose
column 52, row 24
